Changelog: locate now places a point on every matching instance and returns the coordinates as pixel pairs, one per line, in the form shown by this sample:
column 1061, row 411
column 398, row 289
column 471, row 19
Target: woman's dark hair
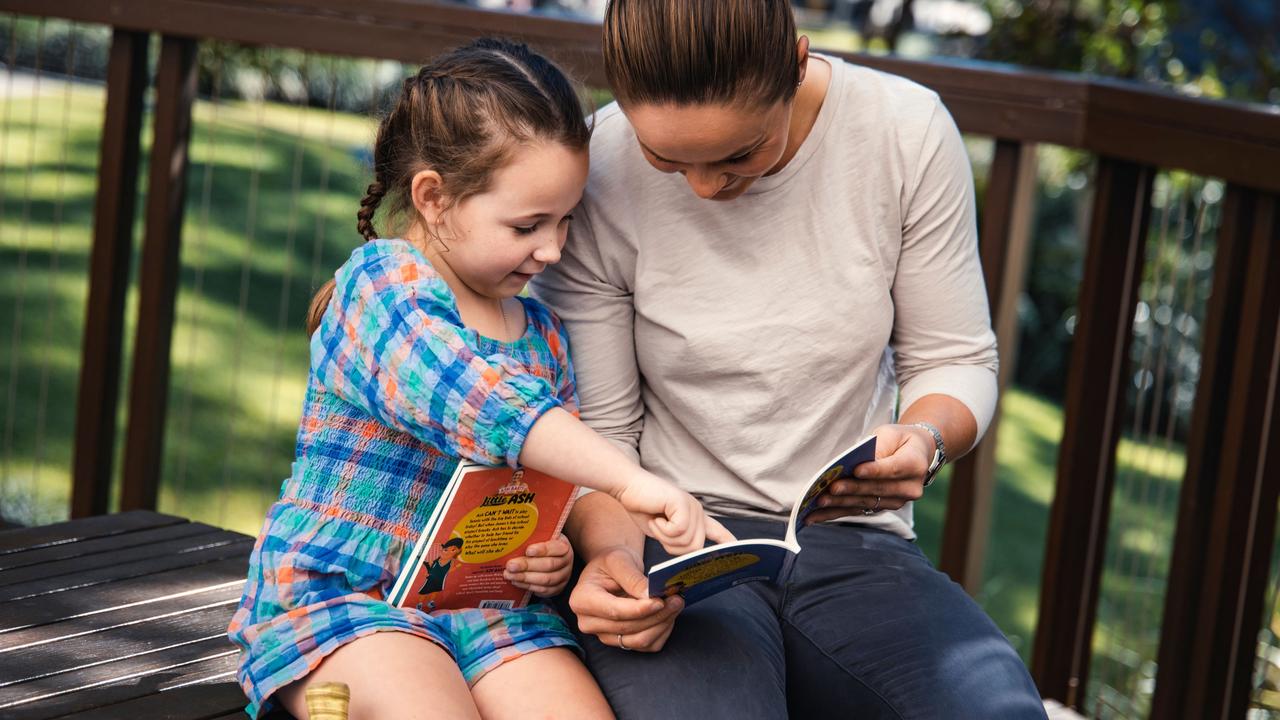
column 693, row 52
column 460, row 116
column 452, row 542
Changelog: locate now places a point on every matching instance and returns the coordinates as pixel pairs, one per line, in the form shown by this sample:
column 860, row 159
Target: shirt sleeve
column 598, row 313
column 392, row 343
column 557, row 339
column 942, row 337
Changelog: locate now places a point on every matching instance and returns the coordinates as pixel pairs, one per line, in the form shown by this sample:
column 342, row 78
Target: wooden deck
column 120, row 616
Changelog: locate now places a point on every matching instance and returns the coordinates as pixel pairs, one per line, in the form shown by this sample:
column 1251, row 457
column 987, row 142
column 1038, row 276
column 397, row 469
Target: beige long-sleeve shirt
column 734, row 347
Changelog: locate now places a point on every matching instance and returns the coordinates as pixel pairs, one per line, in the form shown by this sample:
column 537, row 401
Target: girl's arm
column 561, row 445
column 392, row 344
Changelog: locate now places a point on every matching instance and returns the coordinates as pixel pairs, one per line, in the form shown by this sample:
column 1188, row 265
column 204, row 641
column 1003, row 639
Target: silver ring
column 622, row 645
column 872, row 510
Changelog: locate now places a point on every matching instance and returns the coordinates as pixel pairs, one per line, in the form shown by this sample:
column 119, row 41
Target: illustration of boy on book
column 437, row 570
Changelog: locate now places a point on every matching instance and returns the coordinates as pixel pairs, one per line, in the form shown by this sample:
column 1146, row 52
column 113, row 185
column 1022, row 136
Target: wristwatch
column 939, row 452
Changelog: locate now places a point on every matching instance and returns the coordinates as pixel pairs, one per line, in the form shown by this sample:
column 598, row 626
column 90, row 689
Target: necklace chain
column 502, row 308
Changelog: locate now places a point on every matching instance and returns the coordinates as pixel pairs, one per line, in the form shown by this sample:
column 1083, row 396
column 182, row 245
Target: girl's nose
column 548, row 252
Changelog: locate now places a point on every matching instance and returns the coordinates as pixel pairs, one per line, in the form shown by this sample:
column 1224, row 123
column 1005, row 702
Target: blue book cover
column 703, row 573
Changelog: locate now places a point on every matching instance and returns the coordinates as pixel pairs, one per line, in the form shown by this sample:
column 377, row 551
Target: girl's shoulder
column 546, row 323
column 393, row 268
column 390, row 257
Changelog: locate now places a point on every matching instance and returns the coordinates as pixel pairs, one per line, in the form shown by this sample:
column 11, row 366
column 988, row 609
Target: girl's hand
column 903, row 454
column 669, row 515
column 544, row 569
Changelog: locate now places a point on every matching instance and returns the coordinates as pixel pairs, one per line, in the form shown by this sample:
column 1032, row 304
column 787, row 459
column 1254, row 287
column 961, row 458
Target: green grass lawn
column 272, row 194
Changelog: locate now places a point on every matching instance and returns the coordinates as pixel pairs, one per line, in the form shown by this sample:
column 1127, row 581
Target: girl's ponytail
column 364, row 223
column 368, row 206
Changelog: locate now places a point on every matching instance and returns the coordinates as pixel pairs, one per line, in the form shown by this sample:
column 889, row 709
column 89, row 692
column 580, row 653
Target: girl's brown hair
column 460, row 116
column 694, row 52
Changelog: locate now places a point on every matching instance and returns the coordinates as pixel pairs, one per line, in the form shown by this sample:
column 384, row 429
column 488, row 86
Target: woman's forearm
column 599, row 523
column 952, row 418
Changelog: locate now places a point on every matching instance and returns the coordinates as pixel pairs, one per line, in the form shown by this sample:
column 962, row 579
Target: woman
column 768, row 240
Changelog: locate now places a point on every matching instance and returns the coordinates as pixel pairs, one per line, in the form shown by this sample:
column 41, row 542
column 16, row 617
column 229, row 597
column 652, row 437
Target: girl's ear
column 428, row 198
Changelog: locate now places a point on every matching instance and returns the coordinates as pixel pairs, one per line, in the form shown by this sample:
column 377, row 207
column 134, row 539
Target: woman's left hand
column 544, row 569
column 903, row 455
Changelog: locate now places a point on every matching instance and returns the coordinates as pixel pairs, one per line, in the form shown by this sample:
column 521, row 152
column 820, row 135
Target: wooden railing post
column 1004, row 242
column 113, row 216
column 158, row 277
column 1095, row 397
column 1227, row 511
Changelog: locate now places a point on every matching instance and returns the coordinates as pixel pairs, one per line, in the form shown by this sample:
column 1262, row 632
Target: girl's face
column 449, row 553
column 720, row 149
column 499, row 239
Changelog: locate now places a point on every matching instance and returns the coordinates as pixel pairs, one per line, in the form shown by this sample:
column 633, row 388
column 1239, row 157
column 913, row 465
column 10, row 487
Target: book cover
column 485, row 517
column 703, row 573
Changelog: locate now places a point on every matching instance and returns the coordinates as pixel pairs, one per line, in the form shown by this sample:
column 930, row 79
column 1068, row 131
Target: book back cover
column 495, row 514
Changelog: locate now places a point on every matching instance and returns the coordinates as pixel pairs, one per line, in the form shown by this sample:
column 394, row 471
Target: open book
column 703, row 573
column 485, row 517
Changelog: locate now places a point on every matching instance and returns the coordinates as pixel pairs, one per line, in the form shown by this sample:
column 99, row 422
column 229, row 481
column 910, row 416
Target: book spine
column 407, row 571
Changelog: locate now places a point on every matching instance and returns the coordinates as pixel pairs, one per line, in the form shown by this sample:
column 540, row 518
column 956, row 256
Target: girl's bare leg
column 550, row 683
column 391, row 675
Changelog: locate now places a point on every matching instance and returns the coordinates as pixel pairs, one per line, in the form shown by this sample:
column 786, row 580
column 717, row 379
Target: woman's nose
column 705, row 183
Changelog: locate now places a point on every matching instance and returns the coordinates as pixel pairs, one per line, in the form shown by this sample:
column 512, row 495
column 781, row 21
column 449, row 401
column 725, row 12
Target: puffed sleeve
column 392, row 344
column 942, row 337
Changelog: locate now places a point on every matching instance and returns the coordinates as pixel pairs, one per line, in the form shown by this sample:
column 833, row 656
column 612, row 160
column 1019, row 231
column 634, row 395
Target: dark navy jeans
column 861, row 626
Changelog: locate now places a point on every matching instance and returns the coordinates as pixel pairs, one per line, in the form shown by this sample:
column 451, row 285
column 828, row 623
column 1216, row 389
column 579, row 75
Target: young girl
column 423, row 353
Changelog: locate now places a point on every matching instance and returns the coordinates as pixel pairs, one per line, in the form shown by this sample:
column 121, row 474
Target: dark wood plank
column 68, row 571
column 206, row 701
column 102, row 686
column 1218, row 351
column 1095, row 394
column 97, row 546
column 158, row 275
column 1239, row 142
column 129, row 615
column 194, row 551
column 1238, row 523
column 111, row 596
column 97, row 400
column 405, row 30
column 22, row 666
column 24, row 539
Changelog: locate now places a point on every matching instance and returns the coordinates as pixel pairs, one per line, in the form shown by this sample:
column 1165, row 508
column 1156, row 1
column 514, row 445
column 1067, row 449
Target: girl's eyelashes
column 531, row 229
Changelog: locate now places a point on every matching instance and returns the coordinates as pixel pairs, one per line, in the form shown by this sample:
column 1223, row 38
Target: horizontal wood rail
column 1232, row 141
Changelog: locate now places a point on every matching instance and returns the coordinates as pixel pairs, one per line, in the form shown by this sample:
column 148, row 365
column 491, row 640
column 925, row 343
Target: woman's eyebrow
column 746, row 149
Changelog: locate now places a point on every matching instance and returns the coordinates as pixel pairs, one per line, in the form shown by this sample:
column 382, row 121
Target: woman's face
column 720, row 149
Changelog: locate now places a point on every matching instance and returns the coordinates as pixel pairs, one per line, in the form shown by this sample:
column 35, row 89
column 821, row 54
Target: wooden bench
column 120, row 616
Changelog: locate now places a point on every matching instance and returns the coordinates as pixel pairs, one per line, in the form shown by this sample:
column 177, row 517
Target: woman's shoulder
column 876, row 104
column 883, row 90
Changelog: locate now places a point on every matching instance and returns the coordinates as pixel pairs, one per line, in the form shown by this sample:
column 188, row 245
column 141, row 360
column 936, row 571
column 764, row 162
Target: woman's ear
column 802, row 54
column 426, row 191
